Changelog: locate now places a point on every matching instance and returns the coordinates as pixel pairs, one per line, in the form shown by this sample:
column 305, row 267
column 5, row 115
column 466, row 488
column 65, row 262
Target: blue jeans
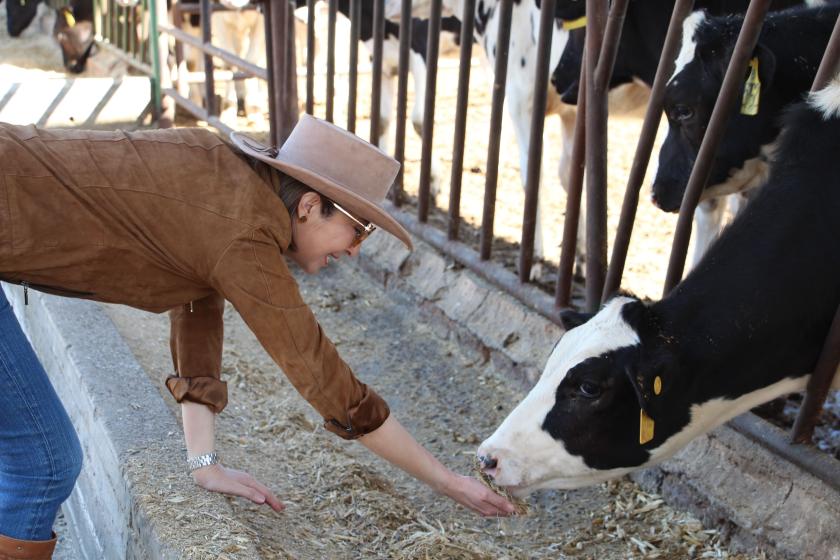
column 40, row 455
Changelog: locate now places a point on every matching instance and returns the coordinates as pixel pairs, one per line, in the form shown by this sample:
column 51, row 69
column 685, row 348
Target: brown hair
column 289, row 189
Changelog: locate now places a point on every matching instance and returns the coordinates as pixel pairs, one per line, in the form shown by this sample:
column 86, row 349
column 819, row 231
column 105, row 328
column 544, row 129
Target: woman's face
column 320, row 238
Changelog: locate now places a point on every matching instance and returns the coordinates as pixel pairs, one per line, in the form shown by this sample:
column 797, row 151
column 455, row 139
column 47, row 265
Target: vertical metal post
column 596, row 156
column 355, row 17
column 376, row 86
column 164, row 107
column 467, row 26
column 818, row 384
column 644, row 147
column 429, row 110
column 732, row 84
column 273, row 109
column 499, row 81
column 563, row 291
column 397, row 192
column 830, row 59
column 535, row 146
column 280, row 44
column 331, row 11
column 209, row 81
column 310, row 56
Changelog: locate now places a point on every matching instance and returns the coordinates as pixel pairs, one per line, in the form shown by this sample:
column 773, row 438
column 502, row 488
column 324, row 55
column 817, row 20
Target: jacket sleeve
column 252, row 275
column 196, row 336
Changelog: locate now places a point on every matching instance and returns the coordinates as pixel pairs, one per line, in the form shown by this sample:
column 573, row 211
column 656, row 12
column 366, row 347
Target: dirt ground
column 343, row 502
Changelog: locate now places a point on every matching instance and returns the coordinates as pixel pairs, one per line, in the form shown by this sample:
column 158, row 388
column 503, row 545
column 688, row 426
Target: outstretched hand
column 218, row 478
column 474, row 495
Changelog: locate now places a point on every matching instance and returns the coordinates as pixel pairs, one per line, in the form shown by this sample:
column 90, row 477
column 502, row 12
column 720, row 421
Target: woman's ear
column 308, row 202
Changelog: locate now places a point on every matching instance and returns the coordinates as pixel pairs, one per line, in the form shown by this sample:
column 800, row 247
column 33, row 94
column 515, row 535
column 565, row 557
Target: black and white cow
column 642, row 38
column 71, row 26
column 787, row 56
column 744, row 327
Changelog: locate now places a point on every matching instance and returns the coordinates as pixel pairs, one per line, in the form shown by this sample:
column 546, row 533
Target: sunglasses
column 362, row 231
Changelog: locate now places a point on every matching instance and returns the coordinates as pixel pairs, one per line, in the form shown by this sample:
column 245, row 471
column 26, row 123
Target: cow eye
column 681, row 113
column 589, row 390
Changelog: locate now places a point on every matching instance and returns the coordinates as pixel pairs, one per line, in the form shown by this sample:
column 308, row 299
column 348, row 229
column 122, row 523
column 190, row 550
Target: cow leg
column 520, row 106
column 708, row 219
column 417, row 65
column 568, row 117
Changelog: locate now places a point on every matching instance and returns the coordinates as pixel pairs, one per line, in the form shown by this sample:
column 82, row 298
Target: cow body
column 787, row 56
column 743, row 328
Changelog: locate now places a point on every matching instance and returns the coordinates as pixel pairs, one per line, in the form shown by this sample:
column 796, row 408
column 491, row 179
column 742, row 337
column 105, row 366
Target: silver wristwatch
column 200, row 461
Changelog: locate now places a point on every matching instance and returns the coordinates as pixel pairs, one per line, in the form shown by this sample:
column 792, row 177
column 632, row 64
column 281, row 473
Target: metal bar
column 491, row 177
column 819, row 464
column 818, row 385
column 732, row 83
column 397, row 193
column 355, row 18
column 563, row 292
column 596, row 157
column 131, row 25
column 493, row 272
column 198, row 112
column 467, row 26
column 331, row 11
column 270, row 39
column 282, row 70
column 653, row 116
column 376, row 86
column 609, row 47
column 209, row 82
column 145, row 54
column 830, row 59
column 137, row 65
column 535, row 145
column 432, row 52
column 210, row 50
column 310, row 56
column 164, row 106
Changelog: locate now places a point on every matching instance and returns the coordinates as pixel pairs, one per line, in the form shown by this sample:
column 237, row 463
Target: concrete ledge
column 724, row 478
column 133, row 498
column 82, row 102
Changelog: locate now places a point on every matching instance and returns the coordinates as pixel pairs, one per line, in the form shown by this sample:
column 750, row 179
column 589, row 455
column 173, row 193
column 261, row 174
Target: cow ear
column 570, row 319
column 766, row 64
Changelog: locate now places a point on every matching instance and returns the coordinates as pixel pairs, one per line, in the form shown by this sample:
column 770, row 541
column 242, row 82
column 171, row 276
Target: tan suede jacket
column 170, row 220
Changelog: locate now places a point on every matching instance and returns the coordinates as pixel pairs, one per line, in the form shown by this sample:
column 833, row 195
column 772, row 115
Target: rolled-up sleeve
column 252, row 275
column 196, row 337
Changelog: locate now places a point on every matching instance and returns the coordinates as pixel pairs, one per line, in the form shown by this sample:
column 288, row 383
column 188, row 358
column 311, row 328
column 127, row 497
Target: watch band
column 200, row 461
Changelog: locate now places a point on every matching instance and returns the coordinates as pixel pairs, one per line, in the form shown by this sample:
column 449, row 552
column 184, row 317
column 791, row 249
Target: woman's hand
column 474, row 495
column 394, row 444
column 218, row 478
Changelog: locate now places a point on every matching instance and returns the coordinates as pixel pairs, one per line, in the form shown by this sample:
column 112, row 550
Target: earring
column 302, row 219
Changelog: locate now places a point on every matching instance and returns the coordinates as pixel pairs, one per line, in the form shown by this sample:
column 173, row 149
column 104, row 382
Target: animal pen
column 604, row 23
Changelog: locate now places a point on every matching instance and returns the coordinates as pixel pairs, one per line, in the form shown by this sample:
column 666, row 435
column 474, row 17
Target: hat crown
column 340, row 156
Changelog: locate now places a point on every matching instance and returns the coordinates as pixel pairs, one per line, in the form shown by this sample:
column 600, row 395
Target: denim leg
column 40, row 455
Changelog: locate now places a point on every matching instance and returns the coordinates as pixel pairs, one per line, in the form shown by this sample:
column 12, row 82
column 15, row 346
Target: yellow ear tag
column 645, row 427
column 752, row 90
column 657, row 385
column 572, row 24
column 68, row 17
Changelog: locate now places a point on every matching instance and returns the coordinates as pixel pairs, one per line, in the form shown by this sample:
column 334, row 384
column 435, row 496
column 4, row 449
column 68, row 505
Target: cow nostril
column 488, row 462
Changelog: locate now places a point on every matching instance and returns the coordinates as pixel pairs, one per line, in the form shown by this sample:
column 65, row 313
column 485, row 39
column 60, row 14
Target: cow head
column 75, row 39
column 580, row 424
column 689, row 101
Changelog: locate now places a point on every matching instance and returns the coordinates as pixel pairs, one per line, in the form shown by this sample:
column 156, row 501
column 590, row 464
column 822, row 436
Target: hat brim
column 356, row 204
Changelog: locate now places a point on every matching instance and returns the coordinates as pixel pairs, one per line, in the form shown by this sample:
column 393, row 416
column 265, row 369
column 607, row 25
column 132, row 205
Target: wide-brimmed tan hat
column 336, row 163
